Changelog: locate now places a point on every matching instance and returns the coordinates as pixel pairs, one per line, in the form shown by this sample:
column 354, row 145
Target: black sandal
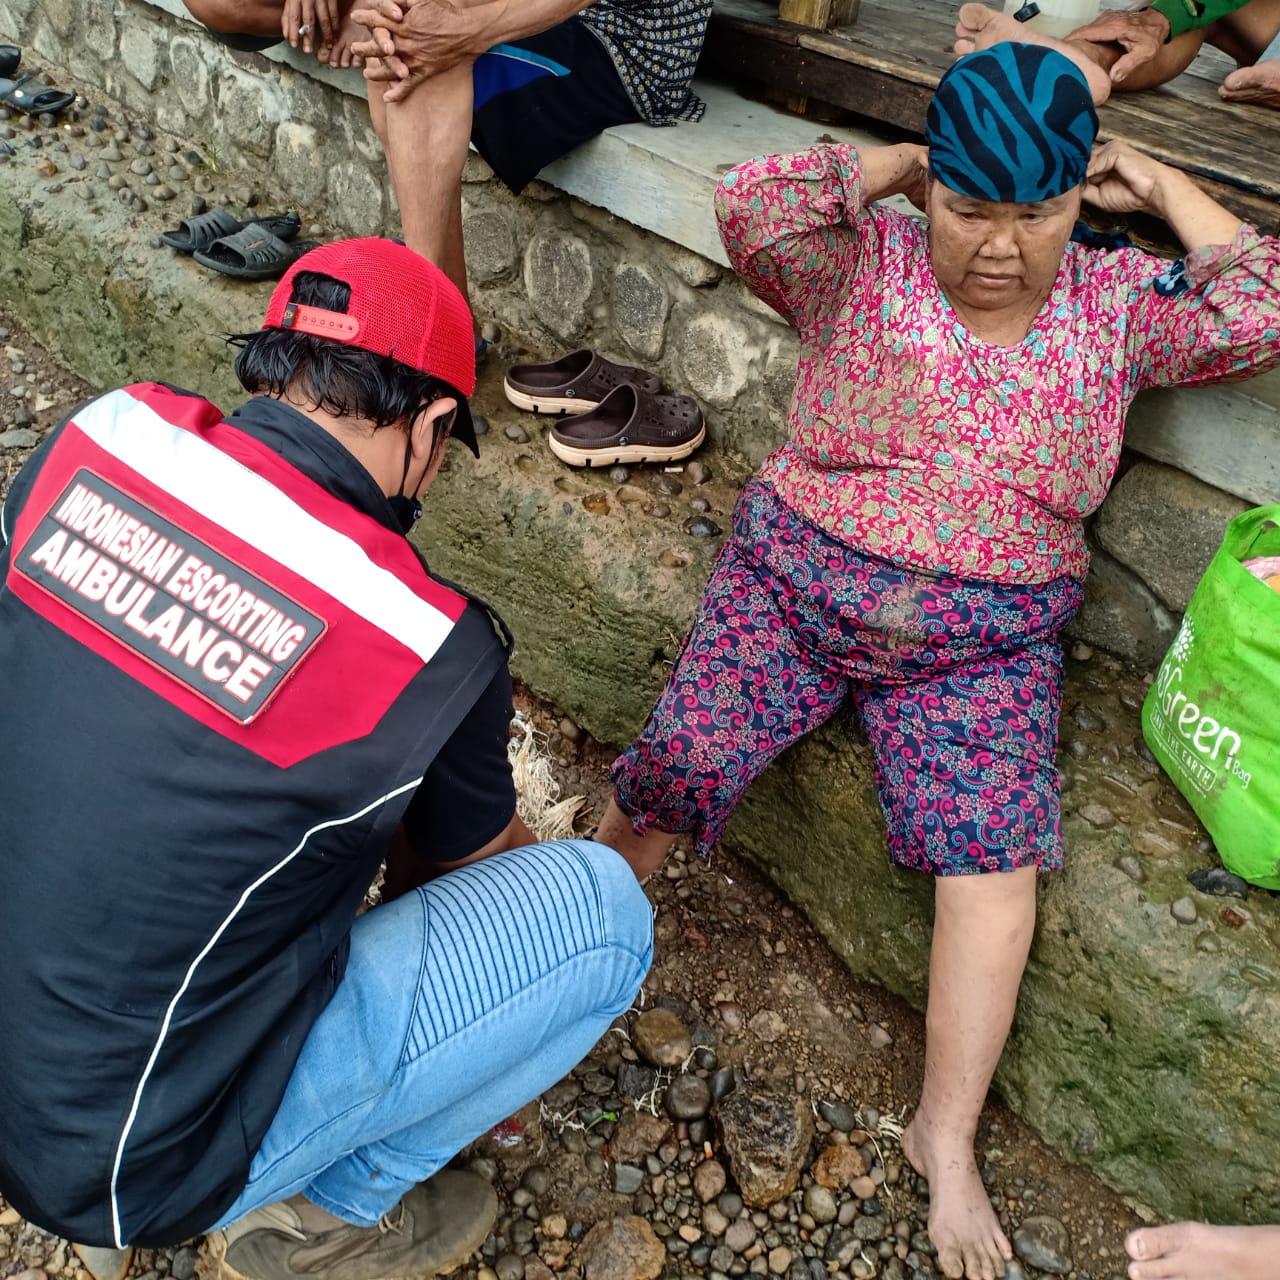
column 193, row 235
column 252, row 253
column 33, row 96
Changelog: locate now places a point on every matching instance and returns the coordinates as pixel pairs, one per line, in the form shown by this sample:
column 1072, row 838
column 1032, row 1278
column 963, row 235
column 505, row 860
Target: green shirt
column 1191, row 15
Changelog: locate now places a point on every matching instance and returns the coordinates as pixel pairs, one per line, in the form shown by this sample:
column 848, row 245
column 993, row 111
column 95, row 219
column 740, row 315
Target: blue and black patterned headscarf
column 1013, row 123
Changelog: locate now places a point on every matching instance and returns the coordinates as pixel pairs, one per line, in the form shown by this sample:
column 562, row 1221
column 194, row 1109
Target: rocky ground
column 743, row 1119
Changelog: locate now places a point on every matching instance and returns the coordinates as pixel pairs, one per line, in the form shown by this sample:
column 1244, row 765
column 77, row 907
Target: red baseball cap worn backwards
column 401, row 306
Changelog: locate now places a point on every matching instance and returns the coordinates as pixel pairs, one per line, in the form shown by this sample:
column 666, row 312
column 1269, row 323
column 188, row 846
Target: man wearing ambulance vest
column 230, row 686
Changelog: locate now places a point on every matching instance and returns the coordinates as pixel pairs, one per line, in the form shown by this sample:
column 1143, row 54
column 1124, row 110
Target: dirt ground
column 734, row 957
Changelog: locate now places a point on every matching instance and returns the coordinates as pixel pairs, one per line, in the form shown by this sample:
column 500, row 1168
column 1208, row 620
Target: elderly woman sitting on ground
column 916, row 545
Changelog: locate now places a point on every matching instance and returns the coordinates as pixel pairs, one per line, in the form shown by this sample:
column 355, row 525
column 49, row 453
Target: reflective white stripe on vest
column 254, row 510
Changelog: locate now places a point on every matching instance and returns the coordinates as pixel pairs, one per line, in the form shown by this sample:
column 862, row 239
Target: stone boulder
column 766, row 1136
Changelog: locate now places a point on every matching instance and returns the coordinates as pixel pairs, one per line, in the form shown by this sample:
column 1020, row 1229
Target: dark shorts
column 958, row 684
column 245, row 44
column 537, row 99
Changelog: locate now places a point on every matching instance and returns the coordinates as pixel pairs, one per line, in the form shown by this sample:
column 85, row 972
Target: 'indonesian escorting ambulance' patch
column 227, row 635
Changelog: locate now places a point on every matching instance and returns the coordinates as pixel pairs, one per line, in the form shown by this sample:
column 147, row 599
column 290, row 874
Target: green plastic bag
column 1212, row 717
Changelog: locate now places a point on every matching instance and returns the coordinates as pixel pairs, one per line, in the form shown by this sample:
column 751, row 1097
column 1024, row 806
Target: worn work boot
column 433, row 1229
column 104, row 1264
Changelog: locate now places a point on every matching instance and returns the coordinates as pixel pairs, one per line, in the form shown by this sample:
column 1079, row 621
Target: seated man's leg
column 425, row 139
column 260, row 18
column 461, row 1002
column 965, row 765
column 524, row 105
column 742, row 690
column 1195, row 1251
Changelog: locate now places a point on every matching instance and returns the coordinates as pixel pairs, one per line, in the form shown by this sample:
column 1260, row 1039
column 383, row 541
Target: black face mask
column 406, row 511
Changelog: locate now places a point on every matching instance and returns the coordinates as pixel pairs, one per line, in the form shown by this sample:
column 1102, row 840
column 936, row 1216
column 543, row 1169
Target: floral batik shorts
column 958, row 684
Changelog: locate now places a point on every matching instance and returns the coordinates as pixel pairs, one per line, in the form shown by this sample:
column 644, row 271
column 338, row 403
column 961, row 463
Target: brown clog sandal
column 630, row 426
column 575, row 383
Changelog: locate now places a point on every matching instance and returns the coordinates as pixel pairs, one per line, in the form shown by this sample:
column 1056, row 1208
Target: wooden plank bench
column 886, row 65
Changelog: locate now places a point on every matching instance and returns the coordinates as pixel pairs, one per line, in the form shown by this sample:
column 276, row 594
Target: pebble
column 878, row 1037
column 111, row 152
column 1183, row 911
column 714, row 1222
column 698, row 472
column 689, row 1233
column 1219, row 882
column 176, row 173
column 509, row 1267
column 1097, row 815
column 702, row 527
column 1131, row 867
column 661, row 1038
column 779, row 1260
column 163, row 193
column 103, row 170
column 1088, row 719
column 709, row 1180
column 45, row 167
column 19, row 438
column 199, row 204
column 152, row 179
column 1042, row 1242
column 10, row 1217
column 659, row 510
column 730, row 1204
column 516, row 434
column 627, row 1179
column 631, row 493
column 622, row 1249
column 688, row 1097
column 183, row 1266
column 77, row 162
column 619, row 475
column 724, row 1082
column 820, row 1204
column 700, row 505
column 741, row 1235
column 839, row 1115
column 668, row 486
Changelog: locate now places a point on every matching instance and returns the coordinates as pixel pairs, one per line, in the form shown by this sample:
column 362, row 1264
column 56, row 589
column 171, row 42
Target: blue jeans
column 461, row 1002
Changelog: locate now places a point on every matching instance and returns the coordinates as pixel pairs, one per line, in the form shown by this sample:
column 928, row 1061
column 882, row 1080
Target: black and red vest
column 220, row 685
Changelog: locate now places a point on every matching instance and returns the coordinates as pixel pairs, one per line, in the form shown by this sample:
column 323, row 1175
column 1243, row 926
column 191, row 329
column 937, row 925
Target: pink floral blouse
column 919, row 443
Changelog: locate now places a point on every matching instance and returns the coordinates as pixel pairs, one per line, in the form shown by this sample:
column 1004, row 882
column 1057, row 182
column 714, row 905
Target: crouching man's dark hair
column 343, row 380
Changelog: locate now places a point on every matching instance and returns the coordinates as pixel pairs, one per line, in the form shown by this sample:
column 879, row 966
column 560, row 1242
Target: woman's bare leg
column 981, row 936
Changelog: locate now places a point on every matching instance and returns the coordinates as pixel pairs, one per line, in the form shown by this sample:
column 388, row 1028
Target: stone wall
column 554, row 272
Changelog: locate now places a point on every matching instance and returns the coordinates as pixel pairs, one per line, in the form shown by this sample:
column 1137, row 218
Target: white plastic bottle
column 1058, row 17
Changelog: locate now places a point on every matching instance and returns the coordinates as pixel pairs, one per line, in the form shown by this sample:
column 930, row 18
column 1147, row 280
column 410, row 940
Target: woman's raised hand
column 1122, row 180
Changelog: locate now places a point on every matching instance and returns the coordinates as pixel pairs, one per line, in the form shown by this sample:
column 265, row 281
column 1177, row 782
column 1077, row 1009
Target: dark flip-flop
column 252, row 253
column 193, row 235
column 10, row 56
column 33, row 96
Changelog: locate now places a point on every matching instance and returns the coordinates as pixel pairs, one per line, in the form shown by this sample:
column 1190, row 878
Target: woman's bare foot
column 1259, row 83
column 342, row 54
column 1194, row 1251
column 962, row 1224
column 979, row 27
